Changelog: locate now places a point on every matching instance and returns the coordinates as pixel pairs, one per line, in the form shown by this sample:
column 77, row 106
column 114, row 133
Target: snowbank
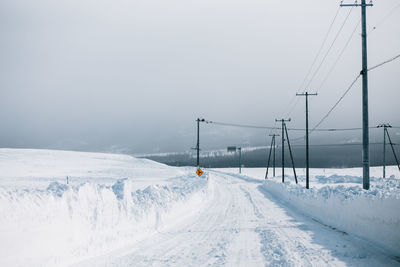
column 373, row 215
column 46, row 222
column 63, row 224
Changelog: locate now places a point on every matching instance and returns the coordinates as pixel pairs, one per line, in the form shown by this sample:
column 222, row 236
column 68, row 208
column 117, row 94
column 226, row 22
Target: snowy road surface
column 242, row 225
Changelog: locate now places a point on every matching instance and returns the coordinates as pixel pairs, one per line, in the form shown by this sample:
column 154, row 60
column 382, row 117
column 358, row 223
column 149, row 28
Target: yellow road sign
column 199, row 172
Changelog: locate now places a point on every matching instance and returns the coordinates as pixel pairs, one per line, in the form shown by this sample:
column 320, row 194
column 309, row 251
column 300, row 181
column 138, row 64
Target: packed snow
column 339, row 201
column 117, row 210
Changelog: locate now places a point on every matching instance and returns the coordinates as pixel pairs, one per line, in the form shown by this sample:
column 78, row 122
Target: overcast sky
column 115, row 75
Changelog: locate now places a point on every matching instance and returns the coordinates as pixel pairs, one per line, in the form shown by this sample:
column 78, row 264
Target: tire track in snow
column 275, row 254
column 291, row 239
column 255, row 208
column 313, row 244
column 198, row 239
column 243, row 226
column 244, row 248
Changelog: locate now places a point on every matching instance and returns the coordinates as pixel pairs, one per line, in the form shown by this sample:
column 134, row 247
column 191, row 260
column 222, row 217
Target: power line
column 338, row 58
column 312, row 65
column 293, row 107
column 389, row 14
column 337, row 103
column 289, row 129
column 329, row 49
column 320, row 49
column 241, row 125
column 273, row 131
column 332, row 145
column 323, row 59
column 340, row 144
column 332, row 130
column 385, row 62
column 348, row 89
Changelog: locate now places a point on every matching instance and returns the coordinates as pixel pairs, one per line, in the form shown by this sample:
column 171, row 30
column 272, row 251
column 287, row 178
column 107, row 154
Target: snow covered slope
column 27, row 168
column 111, row 201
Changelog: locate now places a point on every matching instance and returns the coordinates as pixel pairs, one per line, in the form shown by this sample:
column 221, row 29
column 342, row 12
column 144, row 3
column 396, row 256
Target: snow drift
column 59, row 224
column 371, row 215
column 66, row 223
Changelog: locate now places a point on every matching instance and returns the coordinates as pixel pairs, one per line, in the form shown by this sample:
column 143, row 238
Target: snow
column 118, row 210
column 368, row 214
column 27, row 168
column 339, row 201
column 242, row 225
column 61, row 224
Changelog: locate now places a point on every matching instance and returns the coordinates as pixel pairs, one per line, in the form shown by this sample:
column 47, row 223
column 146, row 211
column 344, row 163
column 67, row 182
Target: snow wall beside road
column 373, row 215
column 64, row 224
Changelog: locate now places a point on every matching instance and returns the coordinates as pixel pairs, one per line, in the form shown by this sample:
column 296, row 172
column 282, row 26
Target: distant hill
column 320, row 157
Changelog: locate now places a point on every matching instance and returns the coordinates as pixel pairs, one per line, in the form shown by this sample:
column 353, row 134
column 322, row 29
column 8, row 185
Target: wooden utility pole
column 283, row 146
column 384, row 126
column 198, row 141
column 271, row 150
column 240, row 159
column 364, row 73
column 291, row 155
column 307, row 144
column 386, row 133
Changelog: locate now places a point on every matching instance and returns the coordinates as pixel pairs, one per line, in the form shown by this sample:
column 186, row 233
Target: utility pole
column 364, row 73
column 269, row 157
column 386, row 133
column 283, row 146
column 307, row 144
column 291, row 155
column 272, row 148
column 384, row 146
column 198, row 141
column 394, row 152
column 240, row 159
column 273, row 158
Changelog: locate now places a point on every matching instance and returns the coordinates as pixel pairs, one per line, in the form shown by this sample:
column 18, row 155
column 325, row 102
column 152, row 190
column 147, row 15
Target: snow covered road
column 242, row 225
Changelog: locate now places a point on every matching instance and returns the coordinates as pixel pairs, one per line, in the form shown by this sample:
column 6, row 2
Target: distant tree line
column 320, row 157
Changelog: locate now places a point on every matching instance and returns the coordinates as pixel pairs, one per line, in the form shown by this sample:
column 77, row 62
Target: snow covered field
column 121, row 211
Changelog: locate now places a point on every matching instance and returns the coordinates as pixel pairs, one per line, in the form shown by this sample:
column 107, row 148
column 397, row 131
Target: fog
column 133, row 76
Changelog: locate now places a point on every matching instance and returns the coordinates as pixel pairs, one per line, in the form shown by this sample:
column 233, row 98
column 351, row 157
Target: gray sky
column 111, row 75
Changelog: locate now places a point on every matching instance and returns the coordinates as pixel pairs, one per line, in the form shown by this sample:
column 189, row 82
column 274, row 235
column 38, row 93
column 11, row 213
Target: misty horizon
column 133, row 77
